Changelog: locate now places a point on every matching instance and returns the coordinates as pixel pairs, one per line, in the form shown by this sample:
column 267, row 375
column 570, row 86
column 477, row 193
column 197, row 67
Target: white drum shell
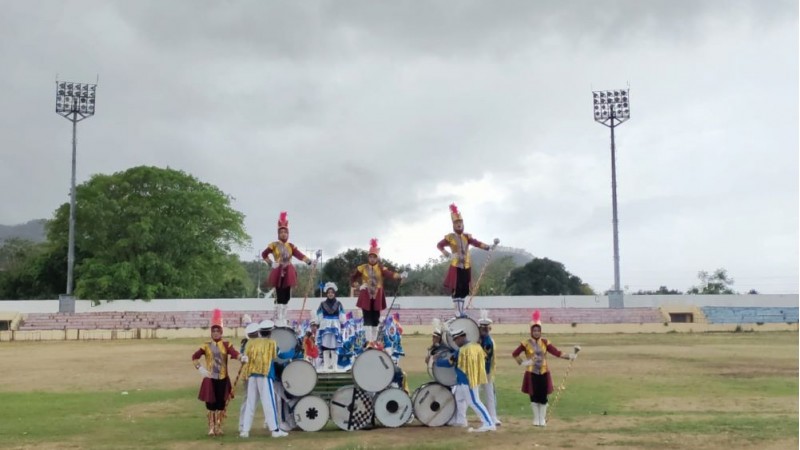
column 340, row 409
column 311, row 413
column 299, row 378
column 373, row 370
column 286, row 339
column 393, row 408
column 434, row 404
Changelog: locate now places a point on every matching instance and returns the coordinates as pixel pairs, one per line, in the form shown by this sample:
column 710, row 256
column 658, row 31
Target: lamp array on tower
column 608, row 104
column 75, row 98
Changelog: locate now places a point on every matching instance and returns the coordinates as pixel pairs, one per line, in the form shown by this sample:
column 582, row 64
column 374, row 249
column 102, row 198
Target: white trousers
column 466, row 396
column 491, row 400
column 243, row 407
column 260, row 388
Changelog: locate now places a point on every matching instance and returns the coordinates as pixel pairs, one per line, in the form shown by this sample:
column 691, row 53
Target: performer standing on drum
column 261, row 354
column 470, row 363
column 459, row 275
column 536, row 381
column 487, row 343
column 371, row 298
column 331, row 316
column 216, row 385
column 283, row 276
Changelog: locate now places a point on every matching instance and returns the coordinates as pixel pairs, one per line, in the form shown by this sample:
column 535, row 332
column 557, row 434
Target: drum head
column 286, row 339
column 393, row 408
column 434, row 404
column 373, row 370
column 299, row 378
column 351, row 408
column 469, row 326
column 311, row 413
column 443, row 375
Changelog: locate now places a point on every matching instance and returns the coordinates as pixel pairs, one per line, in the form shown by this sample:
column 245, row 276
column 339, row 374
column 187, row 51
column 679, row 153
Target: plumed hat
column 216, row 318
column 484, row 320
column 373, row 247
column 454, row 213
column 283, row 221
column 536, row 319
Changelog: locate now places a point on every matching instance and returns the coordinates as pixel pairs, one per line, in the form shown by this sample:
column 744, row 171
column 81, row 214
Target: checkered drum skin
column 352, row 408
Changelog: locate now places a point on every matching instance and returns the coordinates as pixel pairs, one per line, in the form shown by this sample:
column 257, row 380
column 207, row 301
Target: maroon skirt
column 206, row 393
column 451, row 280
column 527, row 383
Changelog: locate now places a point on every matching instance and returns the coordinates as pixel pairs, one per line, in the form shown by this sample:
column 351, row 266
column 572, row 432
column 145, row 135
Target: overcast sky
column 367, row 118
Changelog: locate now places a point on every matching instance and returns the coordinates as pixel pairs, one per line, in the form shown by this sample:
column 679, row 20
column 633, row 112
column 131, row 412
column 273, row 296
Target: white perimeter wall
column 528, row 302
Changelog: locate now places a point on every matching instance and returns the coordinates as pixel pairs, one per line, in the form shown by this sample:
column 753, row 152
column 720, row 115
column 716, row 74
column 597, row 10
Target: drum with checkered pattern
column 352, row 408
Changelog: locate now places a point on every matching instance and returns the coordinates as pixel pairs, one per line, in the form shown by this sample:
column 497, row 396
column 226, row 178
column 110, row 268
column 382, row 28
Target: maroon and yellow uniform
column 371, row 296
column 215, row 355
column 536, row 350
column 459, row 248
column 283, row 273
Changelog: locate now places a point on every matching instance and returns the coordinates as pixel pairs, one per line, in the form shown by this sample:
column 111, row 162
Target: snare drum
column 299, row 378
column 434, row 404
column 352, row 408
column 469, row 326
column 311, row 413
column 286, row 339
column 445, row 375
column 393, row 408
column 373, row 370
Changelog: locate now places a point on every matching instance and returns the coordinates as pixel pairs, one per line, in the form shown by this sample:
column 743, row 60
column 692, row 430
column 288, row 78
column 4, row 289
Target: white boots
column 280, row 315
column 539, row 414
column 458, row 305
column 329, row 360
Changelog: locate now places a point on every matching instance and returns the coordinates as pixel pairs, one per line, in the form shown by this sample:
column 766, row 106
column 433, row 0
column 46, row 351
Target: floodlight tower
column 74, row 102
column 612, row 108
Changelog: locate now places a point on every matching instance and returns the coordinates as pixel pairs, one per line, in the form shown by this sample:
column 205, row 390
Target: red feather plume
column 282, row 217
column 536, row 316
column 453, row 208
column 373, row 243
column 216, row 317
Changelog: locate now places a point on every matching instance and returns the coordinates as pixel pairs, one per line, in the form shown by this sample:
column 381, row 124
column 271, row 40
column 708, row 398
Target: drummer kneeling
column 470, row 364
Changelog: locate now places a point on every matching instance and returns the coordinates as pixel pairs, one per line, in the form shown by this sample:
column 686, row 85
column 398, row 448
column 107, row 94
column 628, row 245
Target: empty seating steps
column 201, row 319
column 725, row 314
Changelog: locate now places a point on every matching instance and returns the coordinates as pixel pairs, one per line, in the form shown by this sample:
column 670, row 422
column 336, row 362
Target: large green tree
column 150, row 233
column 543, row 276
column 31, row 270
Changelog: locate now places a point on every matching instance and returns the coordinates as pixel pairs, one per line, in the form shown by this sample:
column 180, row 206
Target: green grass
column 632, row 391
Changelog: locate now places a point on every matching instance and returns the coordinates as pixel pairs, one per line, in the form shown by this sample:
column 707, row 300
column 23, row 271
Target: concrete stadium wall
column 437, row 302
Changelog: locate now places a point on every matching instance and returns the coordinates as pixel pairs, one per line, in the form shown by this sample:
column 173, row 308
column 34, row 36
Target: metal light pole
column 612, row 108
column 74, row 102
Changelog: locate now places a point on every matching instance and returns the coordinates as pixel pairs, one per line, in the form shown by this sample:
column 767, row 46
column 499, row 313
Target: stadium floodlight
column 74, row 102
column 611, row 108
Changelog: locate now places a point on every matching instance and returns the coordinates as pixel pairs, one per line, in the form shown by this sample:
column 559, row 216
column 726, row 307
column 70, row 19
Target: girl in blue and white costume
column 330, row 316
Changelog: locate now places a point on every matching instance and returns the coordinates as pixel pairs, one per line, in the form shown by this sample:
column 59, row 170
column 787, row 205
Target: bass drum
column 299, row 378
column 373, row 370
column 434, row 404
column 311, row 413
column 445, row 375
column 286, row 339
column 469, row 326
column 393, row 408
column 351, row 408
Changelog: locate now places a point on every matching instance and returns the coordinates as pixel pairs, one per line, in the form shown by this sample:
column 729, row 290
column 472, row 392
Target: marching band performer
column 459, row 276
column 487, row 343
column 368, row 278
column 331, row 316
column 537, row 382
column 216, row 385
column 470, row 363
column 260, row 372
column 283, row 276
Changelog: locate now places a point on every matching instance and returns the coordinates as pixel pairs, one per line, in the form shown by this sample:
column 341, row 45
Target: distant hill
column 32, row 231
column 520, row 256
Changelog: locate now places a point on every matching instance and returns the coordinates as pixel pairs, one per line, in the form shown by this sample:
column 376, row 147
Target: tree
column 543, row 276
column 717, row 283
column 149, row 232
column 339, row 268
column 662, row 290
column 31, row 270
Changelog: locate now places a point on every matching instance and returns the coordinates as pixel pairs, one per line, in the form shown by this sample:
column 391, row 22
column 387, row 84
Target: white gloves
column 204, row 372
column 526, row 363
column 363, row 287
column 496, row 242
column 244, row 358
column 403, row 275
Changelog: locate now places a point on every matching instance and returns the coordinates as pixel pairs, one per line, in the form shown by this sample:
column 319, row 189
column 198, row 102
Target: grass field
column 711, row 390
